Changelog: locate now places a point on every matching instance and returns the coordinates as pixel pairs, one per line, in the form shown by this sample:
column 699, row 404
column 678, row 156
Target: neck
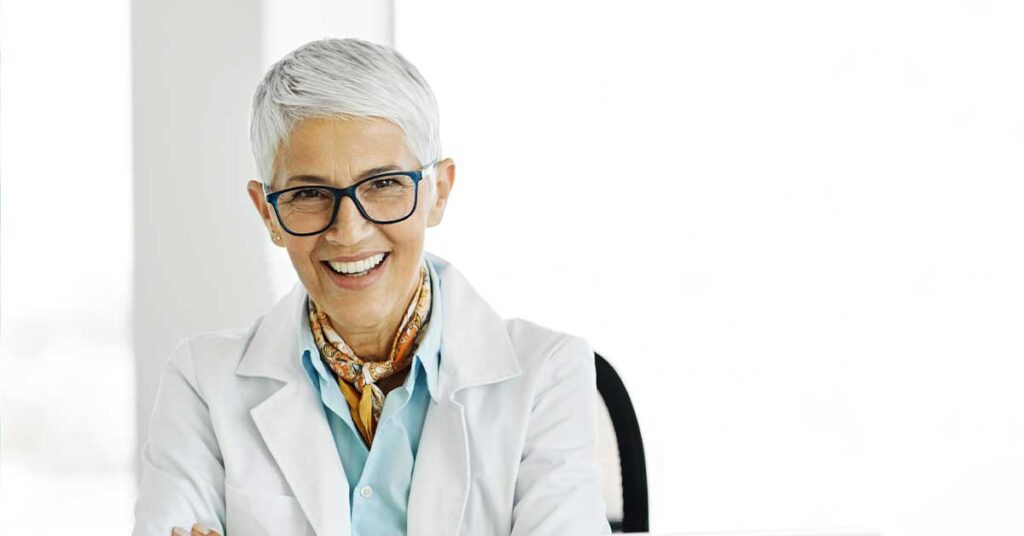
column 371, row 346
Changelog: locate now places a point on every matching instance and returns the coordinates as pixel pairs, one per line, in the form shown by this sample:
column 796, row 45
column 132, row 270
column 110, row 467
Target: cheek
column 301, row 253
column 406, row 236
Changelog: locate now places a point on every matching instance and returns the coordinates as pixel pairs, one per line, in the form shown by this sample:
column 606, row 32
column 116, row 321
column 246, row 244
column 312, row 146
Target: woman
column 382, row 395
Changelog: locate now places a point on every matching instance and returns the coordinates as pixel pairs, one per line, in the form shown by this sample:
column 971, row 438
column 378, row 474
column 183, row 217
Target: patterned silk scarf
column 358, row 378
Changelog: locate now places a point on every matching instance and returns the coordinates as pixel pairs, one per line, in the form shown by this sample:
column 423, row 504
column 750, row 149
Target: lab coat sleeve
column 558, row 489
column 182, row 467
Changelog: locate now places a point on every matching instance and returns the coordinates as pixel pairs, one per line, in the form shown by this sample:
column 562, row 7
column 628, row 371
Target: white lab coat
column 238, row 438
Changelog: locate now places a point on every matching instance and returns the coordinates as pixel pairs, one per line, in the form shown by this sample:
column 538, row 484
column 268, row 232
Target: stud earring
column 277, row 238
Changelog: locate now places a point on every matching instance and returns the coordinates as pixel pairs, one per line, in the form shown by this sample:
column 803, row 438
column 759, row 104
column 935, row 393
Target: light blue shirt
column 379, row 478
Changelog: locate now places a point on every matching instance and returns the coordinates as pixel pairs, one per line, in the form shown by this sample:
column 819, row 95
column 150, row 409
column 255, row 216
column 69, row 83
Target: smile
column 358, row 268
column 357, row 275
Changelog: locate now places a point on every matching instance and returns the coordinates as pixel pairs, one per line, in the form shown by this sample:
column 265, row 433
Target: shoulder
column 538, row 347
column 222, row 346
column 210, row 355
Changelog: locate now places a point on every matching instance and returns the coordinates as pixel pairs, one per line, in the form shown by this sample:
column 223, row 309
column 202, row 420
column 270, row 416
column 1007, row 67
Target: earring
column 277, row 238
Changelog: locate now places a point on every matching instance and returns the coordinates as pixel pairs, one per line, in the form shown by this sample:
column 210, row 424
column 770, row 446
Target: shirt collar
column 426, row 354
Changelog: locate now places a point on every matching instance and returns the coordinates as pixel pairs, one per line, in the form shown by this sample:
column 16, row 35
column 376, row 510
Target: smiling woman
column 382, row 395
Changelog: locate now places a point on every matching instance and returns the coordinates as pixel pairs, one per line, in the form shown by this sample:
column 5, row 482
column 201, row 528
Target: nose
column 349, row 226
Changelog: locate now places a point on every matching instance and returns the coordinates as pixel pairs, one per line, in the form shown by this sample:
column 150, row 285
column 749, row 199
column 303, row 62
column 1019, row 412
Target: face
column 340, row 152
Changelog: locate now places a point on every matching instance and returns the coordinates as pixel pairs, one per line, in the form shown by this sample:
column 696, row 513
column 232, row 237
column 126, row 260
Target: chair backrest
column 620, row 453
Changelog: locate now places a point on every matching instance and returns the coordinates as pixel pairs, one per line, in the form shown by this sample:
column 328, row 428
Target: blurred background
column 794, row 227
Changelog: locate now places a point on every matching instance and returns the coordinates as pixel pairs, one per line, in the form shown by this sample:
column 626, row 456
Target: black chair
column 620, row 453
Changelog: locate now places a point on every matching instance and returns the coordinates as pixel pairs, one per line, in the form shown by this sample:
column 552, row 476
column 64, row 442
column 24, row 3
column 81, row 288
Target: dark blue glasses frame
column 350, row 192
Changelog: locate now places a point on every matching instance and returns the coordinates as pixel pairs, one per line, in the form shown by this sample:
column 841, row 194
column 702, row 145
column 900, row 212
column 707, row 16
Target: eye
column 306, row 197
column 383, row 183
column 309, row 193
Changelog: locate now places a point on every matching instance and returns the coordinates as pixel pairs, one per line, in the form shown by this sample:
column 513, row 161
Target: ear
column 255, row 189
column 445, row 171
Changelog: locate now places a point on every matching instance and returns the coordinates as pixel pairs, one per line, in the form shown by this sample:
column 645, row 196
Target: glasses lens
column 388, row 198
column 306, row 210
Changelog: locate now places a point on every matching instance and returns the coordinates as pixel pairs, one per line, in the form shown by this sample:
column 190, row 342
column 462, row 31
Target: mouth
column 358, row 269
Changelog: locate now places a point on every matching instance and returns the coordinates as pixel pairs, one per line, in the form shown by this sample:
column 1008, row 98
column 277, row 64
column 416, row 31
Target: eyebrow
column 322, row 180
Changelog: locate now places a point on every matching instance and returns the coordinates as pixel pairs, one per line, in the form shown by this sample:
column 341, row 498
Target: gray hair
column 344, row 78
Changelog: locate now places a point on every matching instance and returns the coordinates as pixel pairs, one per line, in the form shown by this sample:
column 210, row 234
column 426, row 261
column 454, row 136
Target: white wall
column 203, row 260
column 198, row 247
column 793, row 226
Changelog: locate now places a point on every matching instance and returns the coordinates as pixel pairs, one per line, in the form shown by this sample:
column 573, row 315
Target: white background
column 794, row 228
column 67, row 407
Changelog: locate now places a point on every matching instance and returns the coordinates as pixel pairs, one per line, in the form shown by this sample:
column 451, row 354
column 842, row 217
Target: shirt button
column 366, row 492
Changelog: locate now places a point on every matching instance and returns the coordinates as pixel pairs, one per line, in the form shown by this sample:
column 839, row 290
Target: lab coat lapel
column 292, row 421
column 475, row 350
column 440, row 477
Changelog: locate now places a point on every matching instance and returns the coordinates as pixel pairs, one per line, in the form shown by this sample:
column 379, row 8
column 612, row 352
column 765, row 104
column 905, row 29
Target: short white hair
column 344, row 78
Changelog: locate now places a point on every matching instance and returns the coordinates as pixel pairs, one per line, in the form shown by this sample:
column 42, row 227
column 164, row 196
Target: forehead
column 341, row 148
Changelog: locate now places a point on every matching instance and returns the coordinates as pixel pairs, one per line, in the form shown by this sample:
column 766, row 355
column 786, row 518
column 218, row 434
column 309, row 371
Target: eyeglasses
column 385, row 198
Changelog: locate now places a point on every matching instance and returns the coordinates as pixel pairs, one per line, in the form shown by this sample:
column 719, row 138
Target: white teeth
column 358, row 266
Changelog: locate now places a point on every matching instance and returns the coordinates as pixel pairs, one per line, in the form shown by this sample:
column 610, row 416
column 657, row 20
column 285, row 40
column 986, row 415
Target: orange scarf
column 357, row 378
